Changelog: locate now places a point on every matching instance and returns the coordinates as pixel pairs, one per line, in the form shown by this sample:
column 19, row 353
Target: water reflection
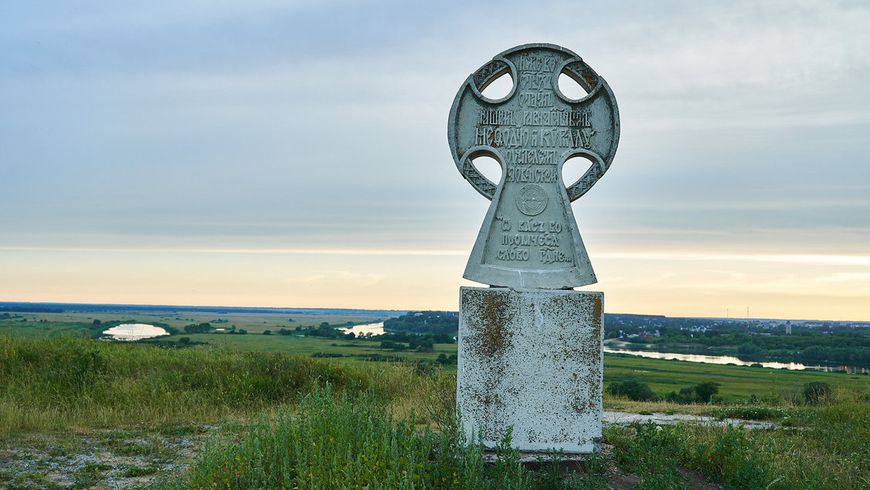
column 368, row 328
column 794, row 366
column 134, row 331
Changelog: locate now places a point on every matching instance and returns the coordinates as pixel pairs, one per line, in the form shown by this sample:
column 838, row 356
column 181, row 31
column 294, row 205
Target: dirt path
column 96, row 458
column 626, row 418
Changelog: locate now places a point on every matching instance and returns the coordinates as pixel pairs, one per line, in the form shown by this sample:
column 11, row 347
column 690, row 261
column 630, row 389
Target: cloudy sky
column 294, row 153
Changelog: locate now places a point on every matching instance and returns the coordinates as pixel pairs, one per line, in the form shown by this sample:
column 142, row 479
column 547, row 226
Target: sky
column 266, row 153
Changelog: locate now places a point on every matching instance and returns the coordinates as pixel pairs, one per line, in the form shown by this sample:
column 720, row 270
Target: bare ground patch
column 97, row 458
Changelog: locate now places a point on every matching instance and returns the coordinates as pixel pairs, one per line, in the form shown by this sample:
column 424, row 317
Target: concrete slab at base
column 531, row 360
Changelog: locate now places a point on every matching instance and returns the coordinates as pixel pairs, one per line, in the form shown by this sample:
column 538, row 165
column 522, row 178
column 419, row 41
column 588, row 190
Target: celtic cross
column 529, row 238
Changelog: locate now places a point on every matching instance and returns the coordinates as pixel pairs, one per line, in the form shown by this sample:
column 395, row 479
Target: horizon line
column 391, row 309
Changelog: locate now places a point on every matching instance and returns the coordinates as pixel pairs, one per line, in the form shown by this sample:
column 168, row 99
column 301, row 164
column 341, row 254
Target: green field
column 663, row 376
column 37, row 324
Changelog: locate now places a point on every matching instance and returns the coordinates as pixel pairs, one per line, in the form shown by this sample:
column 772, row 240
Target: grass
column 291, row 420
column 58, row 383
column 737, row 382
column 828, row 449
column 352, row 441
column 61, row 382
column 662, row 376
column 137, row 471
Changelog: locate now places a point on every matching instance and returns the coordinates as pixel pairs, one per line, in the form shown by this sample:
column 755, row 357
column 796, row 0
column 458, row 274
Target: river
column 367, row 328
column 793, row 366
column 378, row 329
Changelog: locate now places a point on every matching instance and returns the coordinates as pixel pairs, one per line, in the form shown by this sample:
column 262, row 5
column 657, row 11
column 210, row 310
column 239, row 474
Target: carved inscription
column 532, row 132
column 508, row 137
column 540, row 175
column 530, row 227
column 532, row 239
column 534, row 117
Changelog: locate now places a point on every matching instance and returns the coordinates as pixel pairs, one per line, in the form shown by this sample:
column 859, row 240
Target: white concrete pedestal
column 532, row 360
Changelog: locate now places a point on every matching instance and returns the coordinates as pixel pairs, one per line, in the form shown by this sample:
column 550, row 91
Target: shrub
column 198, row 328
column 706, row 390
column 390, row 345
column 816, row 392
column 444, row 359
column 425, row 368
column 633, row 390
column 700, row 393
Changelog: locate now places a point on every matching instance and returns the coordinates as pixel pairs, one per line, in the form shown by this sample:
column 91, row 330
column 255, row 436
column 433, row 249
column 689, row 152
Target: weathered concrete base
column 531, row 360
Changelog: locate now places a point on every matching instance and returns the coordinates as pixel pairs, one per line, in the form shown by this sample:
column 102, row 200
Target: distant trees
column 425, row 322
column 641, row 392
column 422, row 344
column 836, row 347
column 390, row 345
column 198, row 328
column 324, row 330
column 419, row 344
column 267, row 332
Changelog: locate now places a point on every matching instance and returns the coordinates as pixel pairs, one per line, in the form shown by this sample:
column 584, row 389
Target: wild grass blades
column 59, row 382
column 823, row 447
column 350, row 441
column 393, row 426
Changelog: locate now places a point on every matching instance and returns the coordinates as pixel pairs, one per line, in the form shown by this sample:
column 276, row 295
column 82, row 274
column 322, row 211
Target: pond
column 130, row 332
column 368, row 328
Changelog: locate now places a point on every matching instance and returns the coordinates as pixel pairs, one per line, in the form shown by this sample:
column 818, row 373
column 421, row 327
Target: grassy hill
column 243, row 411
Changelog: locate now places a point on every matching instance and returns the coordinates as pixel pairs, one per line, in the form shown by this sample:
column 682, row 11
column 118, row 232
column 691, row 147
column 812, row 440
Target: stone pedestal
column 531, row 360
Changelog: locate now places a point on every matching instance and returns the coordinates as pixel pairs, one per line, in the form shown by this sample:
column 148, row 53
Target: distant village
column 629, row 326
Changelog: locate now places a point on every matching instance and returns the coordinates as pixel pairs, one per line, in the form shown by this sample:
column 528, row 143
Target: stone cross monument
column 530, row 346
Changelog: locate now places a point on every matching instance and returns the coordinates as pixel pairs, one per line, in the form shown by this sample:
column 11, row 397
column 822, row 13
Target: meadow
column 663, row 376
column 258, row 411
column 42, row 324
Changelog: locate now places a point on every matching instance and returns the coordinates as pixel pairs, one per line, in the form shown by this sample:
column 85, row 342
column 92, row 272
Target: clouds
column 320, row 125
